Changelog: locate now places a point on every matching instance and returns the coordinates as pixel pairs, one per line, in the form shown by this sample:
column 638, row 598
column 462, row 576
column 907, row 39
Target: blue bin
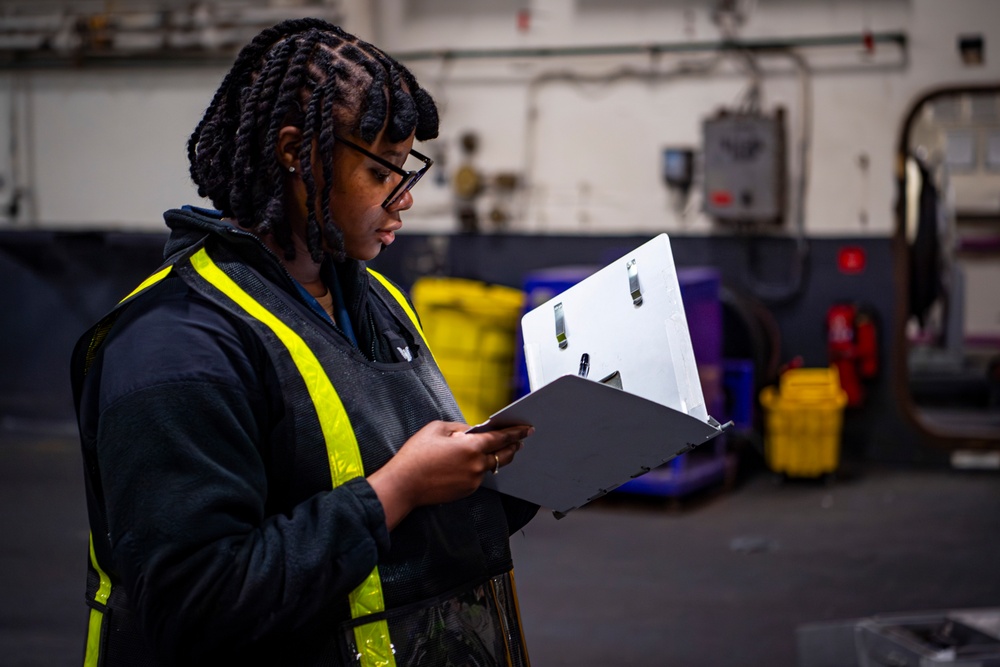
column 738, row 383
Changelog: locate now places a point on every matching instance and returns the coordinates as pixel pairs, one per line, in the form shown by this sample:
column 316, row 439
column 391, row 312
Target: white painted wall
column 106, row 148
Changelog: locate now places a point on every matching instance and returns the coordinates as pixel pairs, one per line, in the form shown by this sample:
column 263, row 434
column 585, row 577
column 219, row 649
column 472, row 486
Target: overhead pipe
column 768, row 44
column 18, row 57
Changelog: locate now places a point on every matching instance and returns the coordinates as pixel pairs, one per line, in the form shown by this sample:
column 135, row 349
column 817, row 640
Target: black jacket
column 186, row 444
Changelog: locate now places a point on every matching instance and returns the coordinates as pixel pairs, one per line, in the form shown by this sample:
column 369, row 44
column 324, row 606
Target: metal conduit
column 196, row 57
column 897, row 38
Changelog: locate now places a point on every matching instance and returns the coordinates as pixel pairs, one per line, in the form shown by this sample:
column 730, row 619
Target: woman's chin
column 365, row 253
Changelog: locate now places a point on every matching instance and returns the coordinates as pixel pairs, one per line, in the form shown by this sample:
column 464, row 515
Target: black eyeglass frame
column 410, row 177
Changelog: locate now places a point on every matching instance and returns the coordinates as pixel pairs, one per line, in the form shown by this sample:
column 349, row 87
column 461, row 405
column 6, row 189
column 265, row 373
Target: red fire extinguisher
column 852, row 345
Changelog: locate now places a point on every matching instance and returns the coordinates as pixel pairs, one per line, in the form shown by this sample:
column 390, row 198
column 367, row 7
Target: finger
column 453, row 428
column 491, row 441
column 507, row 452
column 513, row 435
column 506, row 455
column 491, row 462
column 513, row 448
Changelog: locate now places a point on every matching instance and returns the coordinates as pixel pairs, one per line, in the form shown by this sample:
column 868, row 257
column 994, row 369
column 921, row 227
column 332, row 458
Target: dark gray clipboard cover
column 625, row 324
column 589, row 439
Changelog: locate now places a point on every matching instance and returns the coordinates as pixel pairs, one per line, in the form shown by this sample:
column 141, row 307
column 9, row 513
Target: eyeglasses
column 409, row 178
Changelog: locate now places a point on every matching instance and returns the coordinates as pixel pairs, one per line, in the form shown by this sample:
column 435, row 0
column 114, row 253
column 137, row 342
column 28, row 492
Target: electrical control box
column 744, row 167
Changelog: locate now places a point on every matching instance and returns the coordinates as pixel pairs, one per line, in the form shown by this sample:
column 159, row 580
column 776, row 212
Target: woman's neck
column 302, row 268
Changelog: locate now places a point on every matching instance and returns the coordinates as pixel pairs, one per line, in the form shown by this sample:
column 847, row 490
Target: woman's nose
column 403, row 203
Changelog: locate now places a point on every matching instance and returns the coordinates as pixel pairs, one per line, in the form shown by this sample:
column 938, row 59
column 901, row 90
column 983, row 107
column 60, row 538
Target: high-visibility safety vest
column 419, row 605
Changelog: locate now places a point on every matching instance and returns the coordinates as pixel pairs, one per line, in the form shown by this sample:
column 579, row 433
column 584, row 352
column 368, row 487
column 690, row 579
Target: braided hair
column 310, row 74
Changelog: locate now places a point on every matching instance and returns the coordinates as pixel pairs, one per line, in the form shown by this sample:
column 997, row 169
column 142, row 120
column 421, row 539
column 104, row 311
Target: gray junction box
column 744, row 167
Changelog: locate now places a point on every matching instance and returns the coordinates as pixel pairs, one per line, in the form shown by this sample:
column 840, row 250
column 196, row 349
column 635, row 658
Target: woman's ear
column 287, row 148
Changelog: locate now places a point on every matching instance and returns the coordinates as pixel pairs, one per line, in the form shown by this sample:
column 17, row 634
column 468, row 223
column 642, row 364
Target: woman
column 276, row 471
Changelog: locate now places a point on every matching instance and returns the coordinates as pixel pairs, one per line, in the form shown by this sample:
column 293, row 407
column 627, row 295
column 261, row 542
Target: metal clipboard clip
column 633, row 283
column 560, row 326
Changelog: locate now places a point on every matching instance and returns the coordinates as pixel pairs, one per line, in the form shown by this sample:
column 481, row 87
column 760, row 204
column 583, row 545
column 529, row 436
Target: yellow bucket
column 471, row 328
column 802, row 422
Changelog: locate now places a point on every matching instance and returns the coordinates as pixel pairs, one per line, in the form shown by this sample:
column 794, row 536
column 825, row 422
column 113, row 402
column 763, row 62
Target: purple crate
column 685, row 474
column 703, row 310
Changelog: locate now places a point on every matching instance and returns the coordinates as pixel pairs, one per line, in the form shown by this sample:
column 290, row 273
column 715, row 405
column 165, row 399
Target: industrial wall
column 583, row 134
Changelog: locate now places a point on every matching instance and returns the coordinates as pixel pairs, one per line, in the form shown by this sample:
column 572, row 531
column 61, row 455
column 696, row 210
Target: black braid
column 404, row 111
column 326, row 140
column 311, row 123
column 310, row 74
column 218, row 120
column 287, row 109
column 255, row 104
column 376, row 108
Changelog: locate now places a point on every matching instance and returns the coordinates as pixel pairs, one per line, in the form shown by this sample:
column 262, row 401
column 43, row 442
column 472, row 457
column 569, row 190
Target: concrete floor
column 720, row 579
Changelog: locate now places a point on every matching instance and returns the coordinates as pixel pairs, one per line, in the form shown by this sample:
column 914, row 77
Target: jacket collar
column 190, row 225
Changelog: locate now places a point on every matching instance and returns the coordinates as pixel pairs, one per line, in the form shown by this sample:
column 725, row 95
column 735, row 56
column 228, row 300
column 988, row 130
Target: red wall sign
column 851, row 259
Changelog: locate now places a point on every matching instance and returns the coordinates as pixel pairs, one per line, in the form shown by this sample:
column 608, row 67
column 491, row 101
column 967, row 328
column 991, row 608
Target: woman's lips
column 386, row 236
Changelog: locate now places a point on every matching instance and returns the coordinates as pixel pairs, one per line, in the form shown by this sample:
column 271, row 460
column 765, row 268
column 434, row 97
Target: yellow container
column 471, row 328
column 802, row 422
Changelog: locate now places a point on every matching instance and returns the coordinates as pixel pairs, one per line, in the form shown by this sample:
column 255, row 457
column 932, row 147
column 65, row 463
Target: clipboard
column 615, row 390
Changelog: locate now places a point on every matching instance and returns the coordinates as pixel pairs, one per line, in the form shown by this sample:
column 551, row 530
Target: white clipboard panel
column 640, row 403
column 625, row 323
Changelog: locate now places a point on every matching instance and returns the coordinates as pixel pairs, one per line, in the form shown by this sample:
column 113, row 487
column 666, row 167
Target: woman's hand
column 441, row 463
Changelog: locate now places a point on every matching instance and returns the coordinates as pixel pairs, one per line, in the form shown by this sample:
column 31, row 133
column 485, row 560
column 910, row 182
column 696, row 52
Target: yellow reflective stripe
column 102, row 328
column 341, row 447
column 345, row 461
column 152, row 280
column 104, row 589
column 403, row 303
column 92, row 654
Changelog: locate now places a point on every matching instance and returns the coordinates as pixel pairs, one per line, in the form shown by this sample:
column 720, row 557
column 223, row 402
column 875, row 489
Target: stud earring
column 291, row 170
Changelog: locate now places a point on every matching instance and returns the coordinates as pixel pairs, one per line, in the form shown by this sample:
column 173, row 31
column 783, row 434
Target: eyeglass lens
column 408, row 181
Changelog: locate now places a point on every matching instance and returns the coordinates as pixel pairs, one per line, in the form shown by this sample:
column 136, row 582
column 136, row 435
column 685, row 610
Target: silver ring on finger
column 496, row 465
